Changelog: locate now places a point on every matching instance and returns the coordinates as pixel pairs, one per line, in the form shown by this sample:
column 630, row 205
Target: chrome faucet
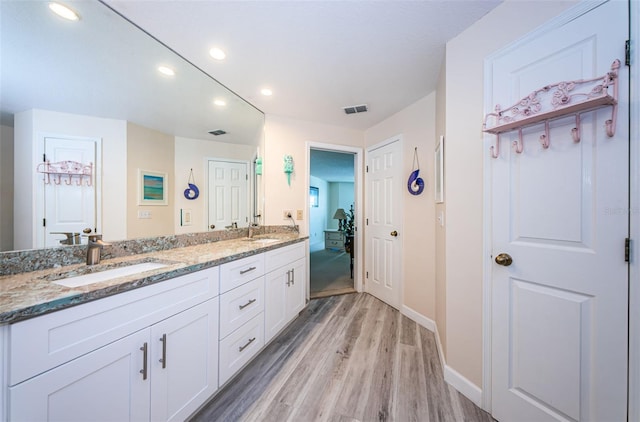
column 94, row 248
column 253, row 227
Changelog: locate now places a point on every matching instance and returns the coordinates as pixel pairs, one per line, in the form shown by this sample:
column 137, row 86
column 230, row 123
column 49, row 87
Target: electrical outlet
column 299, row 215
column 287, row 214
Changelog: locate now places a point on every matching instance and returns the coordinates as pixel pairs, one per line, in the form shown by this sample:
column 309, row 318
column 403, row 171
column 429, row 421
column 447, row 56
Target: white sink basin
column 83, row 280
column 263, row 241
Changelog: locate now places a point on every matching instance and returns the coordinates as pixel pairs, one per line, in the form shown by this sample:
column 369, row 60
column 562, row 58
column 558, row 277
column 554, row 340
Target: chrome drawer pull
column 163, row 339
column 247, row 304
column 247, row 270
column 143, row 371
column 241, row 348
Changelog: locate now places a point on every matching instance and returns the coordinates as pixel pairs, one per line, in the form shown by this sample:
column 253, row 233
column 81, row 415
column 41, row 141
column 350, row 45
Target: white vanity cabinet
column 146, row 354
column 285, row 287
column 241, row 313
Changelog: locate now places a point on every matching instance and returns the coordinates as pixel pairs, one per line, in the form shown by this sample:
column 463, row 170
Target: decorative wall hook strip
column 575, row 132
column 519, row 145
column 69, row 168
column 544, row 138
column 495, row 149
column 610, row 125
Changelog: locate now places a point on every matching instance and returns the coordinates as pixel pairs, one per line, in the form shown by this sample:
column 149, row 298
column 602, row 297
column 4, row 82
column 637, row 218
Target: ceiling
column 332, row 166
column 316, row 56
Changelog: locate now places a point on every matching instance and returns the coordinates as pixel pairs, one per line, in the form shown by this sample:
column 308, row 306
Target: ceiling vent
column 362, row 108
column 217, row 132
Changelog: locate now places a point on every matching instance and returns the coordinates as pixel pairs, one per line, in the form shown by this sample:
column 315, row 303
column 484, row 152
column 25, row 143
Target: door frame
column 634, row 212
column 358, row 199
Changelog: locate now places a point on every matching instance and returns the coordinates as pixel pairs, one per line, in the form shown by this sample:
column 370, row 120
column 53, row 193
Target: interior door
column 559, row 311
column 69, row 202
column 383, row 222
column 228, row 190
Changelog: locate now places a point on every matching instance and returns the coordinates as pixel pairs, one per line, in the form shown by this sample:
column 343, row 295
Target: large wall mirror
column 94, row 136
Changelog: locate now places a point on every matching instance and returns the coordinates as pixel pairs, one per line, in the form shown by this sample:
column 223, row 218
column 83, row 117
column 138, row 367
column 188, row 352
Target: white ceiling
column 316, row 56
column 332, row 166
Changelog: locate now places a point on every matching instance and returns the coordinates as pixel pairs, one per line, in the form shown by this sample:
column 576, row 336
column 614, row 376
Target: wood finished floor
column 346, row 358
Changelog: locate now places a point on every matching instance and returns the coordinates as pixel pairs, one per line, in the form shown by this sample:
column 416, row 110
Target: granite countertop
column 31, row 294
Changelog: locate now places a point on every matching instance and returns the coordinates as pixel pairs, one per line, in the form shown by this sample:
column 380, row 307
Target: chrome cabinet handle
column 143, row 371
column 247, row 304
column 293, row 276
column 288, row 277
column 163, row 360
column 247, row 270
column 241, row 348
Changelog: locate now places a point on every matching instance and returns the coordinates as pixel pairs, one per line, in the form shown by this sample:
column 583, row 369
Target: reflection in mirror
column 94, row 138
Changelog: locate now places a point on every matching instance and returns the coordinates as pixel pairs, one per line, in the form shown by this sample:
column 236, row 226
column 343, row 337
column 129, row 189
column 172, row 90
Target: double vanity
column 152, row 336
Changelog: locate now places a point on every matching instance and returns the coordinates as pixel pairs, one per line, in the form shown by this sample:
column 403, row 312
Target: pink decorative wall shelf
column 555, row 101
column 68, row 169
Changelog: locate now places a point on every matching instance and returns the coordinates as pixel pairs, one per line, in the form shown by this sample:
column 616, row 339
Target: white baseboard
column 463, row 385
column 451, row 376
column 417, row 317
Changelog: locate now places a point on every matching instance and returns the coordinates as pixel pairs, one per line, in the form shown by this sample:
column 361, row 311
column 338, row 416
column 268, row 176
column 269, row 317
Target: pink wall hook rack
column 552, row 102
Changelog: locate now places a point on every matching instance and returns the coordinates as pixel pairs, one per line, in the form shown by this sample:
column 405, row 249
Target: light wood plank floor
column 346, row 358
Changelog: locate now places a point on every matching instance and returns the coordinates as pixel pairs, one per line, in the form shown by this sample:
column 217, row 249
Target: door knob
column 213, row 226
column 86, row 230
column 504, row 259
column 394, row 233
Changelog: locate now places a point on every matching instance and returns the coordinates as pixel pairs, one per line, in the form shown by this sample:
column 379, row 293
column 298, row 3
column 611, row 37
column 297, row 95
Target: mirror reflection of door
column 68, row 200
column 228, row 189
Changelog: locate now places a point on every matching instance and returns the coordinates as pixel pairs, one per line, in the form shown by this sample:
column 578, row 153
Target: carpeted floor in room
column 330, row 273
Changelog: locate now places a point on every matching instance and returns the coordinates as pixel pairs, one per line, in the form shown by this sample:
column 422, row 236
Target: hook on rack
column 544, row 138
column 495, row 150
column 575, row 132
column 519, row 145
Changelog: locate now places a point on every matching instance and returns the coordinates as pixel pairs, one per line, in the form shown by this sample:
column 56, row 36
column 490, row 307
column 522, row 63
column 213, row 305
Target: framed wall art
column 152, row 188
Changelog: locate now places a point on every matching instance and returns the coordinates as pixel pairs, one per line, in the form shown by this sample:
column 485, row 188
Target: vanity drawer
column 277, row 258
column 41, row 343
column 240, row 305
column 236, row 273
column 240, row 346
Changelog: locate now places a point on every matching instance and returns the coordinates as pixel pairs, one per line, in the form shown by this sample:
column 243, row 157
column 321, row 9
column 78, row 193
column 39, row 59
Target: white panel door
column 228, row 190
column 69, row 202
column 383, row 229
column 559, row 311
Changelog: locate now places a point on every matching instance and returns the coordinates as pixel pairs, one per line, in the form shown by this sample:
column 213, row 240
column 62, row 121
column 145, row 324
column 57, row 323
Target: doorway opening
column 332, row 222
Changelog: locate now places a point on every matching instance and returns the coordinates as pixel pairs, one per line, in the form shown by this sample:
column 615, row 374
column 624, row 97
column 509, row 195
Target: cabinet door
column 104, row 385
column 275, row 308
column 184, row 362
column 296, row 290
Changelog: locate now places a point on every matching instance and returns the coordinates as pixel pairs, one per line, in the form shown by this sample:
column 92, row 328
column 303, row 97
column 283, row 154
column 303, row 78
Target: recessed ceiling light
column 64, row 11
column 217, row 54
column 166, row 70
column 266, row 92
column 220, row 103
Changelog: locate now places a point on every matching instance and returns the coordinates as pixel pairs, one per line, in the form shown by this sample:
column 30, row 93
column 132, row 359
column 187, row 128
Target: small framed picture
column 439, row 171
column 152, row 188
column 313, row 196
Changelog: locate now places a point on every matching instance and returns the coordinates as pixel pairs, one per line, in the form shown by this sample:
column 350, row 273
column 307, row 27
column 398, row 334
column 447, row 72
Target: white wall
column 416, row 123
column 464, row 155
column 318, row 215
column 6, row 188
column 30, row 126
column 341, row 195
column 289, row 136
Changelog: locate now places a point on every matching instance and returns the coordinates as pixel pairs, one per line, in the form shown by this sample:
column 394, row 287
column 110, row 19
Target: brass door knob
column 394, row 233
column 213, row 226
column 504, row 259
column 86, row 230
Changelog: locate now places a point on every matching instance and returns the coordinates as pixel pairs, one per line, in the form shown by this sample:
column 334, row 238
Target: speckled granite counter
column 31, row 294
